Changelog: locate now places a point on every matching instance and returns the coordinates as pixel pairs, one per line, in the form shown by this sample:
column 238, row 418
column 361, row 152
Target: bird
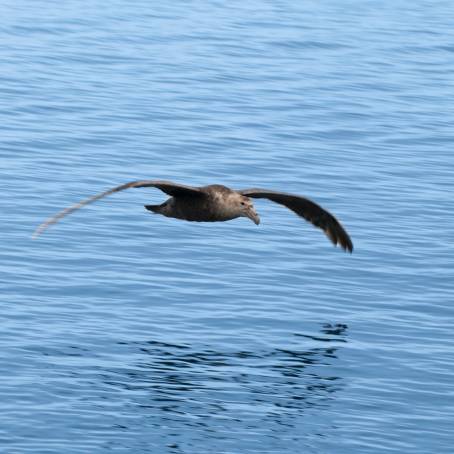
column 217, row 203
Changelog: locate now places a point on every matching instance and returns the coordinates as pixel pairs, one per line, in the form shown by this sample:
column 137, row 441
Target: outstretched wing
column 308, row 210
column 172, row 189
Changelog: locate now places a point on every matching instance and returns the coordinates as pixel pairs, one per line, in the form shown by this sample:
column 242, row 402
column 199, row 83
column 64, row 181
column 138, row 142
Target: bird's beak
column 253, row 216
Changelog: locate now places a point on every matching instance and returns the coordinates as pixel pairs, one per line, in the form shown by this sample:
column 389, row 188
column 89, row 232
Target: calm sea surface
column 126, row 332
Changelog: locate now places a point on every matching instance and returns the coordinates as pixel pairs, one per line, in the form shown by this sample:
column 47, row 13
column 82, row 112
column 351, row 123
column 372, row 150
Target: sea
column 122, row 331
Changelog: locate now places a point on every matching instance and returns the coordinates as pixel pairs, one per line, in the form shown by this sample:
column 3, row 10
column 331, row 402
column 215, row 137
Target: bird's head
column 246, row 209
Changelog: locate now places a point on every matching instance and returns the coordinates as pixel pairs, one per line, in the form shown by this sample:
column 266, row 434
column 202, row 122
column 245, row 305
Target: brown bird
column 219, row 203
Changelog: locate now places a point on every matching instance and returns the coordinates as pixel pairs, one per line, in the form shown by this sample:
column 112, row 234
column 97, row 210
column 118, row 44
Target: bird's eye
column 242, row 203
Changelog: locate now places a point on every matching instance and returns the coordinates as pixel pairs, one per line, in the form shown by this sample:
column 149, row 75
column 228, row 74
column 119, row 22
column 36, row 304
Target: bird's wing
column 308, row 210
column 172, row 189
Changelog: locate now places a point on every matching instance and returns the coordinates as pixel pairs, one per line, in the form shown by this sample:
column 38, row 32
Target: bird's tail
column 154, row 208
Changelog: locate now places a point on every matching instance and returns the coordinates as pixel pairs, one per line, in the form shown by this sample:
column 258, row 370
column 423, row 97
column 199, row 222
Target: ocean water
column 127, row 332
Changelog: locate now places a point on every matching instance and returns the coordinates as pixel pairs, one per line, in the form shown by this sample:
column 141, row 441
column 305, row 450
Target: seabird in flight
column 219, row 203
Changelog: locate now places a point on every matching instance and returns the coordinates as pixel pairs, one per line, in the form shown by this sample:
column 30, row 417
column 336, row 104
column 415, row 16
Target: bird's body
column 217, row 203
column 214, row 203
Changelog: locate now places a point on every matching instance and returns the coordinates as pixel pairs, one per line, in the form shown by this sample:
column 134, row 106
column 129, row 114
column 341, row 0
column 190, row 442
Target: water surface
column 122, row 331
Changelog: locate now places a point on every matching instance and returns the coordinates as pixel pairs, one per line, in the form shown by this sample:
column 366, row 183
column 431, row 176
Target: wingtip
column 39, row 230
column 348, row 247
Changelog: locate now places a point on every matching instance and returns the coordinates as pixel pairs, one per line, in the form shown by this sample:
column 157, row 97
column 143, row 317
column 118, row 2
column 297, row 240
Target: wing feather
column 172, row 189
column 308, row 210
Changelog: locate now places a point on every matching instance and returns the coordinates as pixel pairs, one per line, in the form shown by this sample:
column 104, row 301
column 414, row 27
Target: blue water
column 123, row 331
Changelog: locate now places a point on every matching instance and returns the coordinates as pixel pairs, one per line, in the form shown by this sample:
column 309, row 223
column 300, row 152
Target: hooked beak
column 253, row 216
